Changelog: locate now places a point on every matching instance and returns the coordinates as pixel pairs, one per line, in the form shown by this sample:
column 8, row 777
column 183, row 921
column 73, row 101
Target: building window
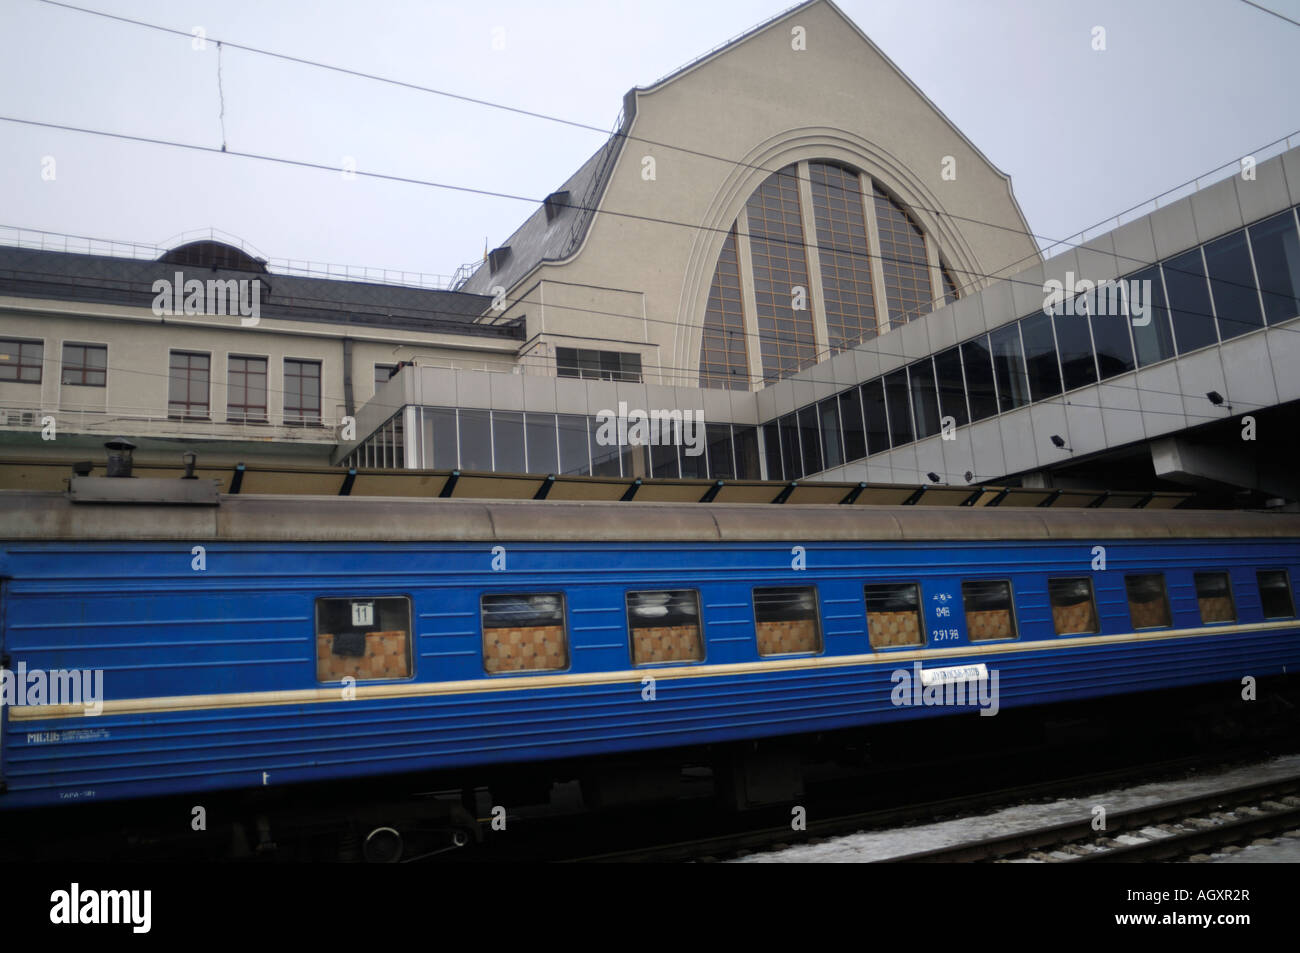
column 1148, row 603
column 1009, row 368
column 990, row 612
column 301, row 392
column 1040, row 356
column 1276, row 247
column 1214, row 597
column 524, row 633
column 950, row 290
column 894, row 614
column 844, row 255
column 382, row 373
column 363, row 638
column 1232, row 283
column 1189, row 301
column 598, row 365
column 1275, row 594
column 786, row 621
column 902, row 255
column 1074, row 610
column 85, row 365
column 977, row 360
column 724, row 357
column 20, row 361
column 665, row 626
column 780, row 260
column 187, row 386
column 1153, row 340
column 246, row 390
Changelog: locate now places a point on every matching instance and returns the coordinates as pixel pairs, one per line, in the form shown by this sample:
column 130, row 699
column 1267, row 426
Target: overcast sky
column 1183, row 86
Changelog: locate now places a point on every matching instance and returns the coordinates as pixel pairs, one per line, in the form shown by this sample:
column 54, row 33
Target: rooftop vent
column 556, row 203
column 498, row 257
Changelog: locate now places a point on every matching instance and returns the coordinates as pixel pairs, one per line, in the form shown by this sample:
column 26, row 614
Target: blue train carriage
column 158, row 648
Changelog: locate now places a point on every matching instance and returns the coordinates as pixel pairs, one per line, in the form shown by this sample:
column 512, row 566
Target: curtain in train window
column 1214, row 597
column 1074, row 611
column 990, row 613
column 665, row 626
column 363, row 638
column 786, row 620
column 894, row 614
column 1275, row 594
column 524, row 632
column 1148, row 604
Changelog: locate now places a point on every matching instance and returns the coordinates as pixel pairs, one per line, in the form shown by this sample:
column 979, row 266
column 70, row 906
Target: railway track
column 1256, row 822
column 1168, row 830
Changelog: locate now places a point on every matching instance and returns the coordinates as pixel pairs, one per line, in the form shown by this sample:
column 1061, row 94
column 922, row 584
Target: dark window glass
column 1189, row 301
column 745, row 440
column 828, row 414
column 903, row 260
column 440, row 429
column 1074, row 610
column 1214, row 597
column 363, row 638
column 1276, row 247
column 900, row 410
column 1040, row 356
column 791, row 461
column 721, row 461
column 855, row 435
column 301, row 392
column 952, row 388
column 693, row 455
column 1148, row 604
column 1078, row 368
column 475, row 440
column 772, row 451
column 777, row 248
column 1151, row 335
column 85, row 365
column 812, row 451
column 843, row 252
column 978, row 362
column 597, row 365
column 1275, row 594
column 542, row 453
column 524, row 633
column 990, row 613
column 1232, row 283
column 605, row 458
column 187, row 386
column 382, row 373
column 1009, row 365
column 1110, row 336
column 507, row 442
column 894, row 614
column 925, row 400
column 665, row 626
column 724, row 360
column 786, row 620
column 21, row 361
column 246, row 389
column 663, row 462
column 873, row 406
column 573, row 445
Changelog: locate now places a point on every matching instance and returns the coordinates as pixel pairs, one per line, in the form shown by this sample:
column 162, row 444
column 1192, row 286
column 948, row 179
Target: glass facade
column 776, row 241
column 842, row 249
column 902, row 254
column 724, row 358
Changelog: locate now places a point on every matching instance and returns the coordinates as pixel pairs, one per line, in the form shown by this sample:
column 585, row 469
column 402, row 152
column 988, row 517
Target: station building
column 784, row 250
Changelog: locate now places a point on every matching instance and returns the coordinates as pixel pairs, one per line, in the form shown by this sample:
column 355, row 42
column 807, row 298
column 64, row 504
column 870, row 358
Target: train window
column 1074, row 611
column 1214, row 597
column 786, row 621
column 1148, row 603
column 665, row 626
column 1275, row 594
column 524, row 632
column 990, row 613
column 363, row 638
column 894, row 614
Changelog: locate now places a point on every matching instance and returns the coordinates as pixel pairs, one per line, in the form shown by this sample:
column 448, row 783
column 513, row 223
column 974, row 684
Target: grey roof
column 538, row 240
column 104, row 279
